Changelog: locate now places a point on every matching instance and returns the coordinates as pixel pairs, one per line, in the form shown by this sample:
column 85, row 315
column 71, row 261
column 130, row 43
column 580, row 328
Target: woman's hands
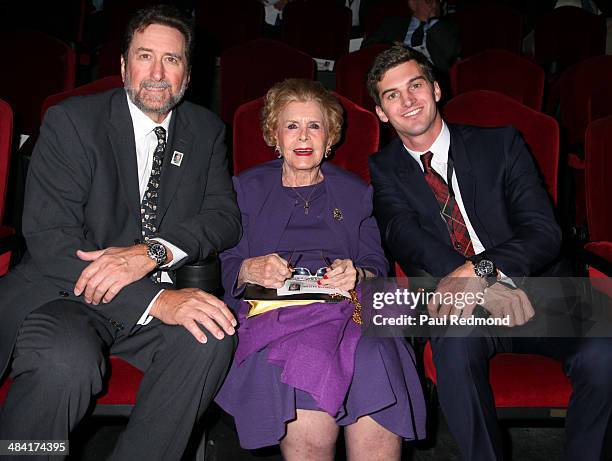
column 341, row 274
column 269, row 271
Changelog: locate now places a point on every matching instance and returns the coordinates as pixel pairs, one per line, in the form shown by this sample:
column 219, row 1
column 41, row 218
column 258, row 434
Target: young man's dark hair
column 394, row 56
column 165, row 15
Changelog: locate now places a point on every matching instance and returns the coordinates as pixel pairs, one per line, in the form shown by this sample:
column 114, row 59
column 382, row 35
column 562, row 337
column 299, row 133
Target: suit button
column 64, row 294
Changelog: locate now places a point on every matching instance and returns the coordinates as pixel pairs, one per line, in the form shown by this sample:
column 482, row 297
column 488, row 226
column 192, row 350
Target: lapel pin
column 177, row 158
column 337, row 214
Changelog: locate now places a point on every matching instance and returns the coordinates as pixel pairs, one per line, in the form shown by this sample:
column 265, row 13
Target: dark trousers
column 60, row 362
column 467, row 402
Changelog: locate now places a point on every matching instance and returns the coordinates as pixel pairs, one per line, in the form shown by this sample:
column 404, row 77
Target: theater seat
column 524, row 385
column 6, row 136
column 501, row 71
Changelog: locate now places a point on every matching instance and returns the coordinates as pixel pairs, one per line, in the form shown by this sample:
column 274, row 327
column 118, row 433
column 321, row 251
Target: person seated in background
column 434, row 36
column 301, row 372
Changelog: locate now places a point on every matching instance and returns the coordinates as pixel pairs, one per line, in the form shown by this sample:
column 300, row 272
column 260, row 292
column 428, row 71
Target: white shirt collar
column 439, row 148
column 141, row 122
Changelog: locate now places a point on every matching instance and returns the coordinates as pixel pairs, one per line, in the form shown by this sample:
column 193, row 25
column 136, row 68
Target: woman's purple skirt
column 385, row 386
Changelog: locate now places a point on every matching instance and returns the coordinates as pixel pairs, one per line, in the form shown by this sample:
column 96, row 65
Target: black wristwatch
column 156, row 251
column 485, row 268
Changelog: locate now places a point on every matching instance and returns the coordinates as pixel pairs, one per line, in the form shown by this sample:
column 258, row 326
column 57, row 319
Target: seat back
column 332, row 22
column 222, row 25
column 6, row 135
column 567, row 35
column 260, row 59
column 351, row 74
column 359, row 139
column 109, row 59
column 34, row 54
column 97, row 86
column 491, row 26
column 579, row 84
column 490, row 109
column 501, row 71
column 377, row 12
column 598, row 171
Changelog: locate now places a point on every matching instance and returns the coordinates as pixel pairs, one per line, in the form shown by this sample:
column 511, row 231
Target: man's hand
column 269, row 271
column 191, row 307
column 462, row 280
column 341, row 274
column 502, row 301
column 111, row 269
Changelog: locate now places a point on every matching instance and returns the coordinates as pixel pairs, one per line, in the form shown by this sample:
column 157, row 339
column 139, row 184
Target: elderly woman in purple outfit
column 301, row 373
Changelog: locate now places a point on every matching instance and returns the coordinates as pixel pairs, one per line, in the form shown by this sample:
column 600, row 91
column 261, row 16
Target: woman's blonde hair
column 300, row 90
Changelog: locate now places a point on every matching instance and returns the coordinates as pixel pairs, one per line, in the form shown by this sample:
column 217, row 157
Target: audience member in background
column 492, row 222
column 434, row 36
column 110, row 212
column 302, row 372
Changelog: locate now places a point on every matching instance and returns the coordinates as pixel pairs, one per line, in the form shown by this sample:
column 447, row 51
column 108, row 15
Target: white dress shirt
column 146, row 142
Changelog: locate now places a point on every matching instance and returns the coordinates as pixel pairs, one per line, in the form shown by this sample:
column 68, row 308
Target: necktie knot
column 160, row 132
column 426, row 161
column 418, row 35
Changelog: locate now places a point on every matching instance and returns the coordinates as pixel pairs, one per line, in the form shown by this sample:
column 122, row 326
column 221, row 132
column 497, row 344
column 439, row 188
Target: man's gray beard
column 170, row 104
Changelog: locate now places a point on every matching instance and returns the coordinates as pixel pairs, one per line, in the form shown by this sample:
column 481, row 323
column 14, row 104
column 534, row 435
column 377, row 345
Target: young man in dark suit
column 487, row 230
column 124, row 188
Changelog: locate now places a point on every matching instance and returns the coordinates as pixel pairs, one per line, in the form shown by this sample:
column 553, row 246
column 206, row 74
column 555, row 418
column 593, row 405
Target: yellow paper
column 259, row 306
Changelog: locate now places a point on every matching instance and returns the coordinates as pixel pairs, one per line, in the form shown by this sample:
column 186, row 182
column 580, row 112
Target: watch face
column 485, row 268
column 157, row 252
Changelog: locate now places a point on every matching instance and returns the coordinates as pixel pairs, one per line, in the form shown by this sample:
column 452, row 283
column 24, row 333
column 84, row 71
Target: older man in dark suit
column 466, row 204
column 124, row 188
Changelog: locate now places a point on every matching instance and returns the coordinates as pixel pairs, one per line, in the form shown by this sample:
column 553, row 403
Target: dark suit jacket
column 266, row 210
column 443, row 42
column 503, row 195
column 82, row 193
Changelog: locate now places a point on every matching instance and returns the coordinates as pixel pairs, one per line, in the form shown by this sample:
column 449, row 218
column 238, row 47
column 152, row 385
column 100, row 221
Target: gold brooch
column 337, row 214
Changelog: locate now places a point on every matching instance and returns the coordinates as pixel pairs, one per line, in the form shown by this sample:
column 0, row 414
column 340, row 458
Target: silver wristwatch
column 156, row 251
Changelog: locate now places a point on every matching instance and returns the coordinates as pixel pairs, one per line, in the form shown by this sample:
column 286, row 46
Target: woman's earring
column 279, row 154
column 327, row 152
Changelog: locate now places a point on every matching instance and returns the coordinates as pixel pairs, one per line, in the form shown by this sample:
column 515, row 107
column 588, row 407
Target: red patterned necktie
column 448, row 208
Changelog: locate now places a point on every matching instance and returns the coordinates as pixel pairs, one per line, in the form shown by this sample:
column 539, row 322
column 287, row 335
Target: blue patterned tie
column 148, row 207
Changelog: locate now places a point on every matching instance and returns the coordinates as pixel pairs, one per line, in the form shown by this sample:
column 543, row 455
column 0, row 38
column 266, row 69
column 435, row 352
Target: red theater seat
column 489, row 26
column 221, row 25
column 360, row 138
column 501, row 71
column 118, row 396
column 523, row 384
column 40, row 65
column 320, row 28
column 567, row 35
column 351, row 73
column 6, row 136
column 489, row 108
column 97, row 86
column 266, row 62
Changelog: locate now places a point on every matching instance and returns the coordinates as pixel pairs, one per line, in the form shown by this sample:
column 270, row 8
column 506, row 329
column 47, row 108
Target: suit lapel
column 181, row 140
column 467, row 183
column 121, row 137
